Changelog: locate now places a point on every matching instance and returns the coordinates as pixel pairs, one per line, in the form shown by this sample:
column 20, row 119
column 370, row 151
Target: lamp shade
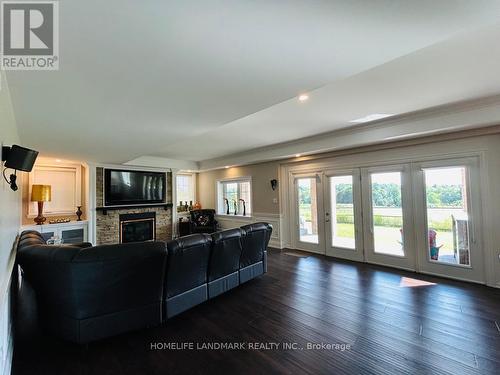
column 40, row 193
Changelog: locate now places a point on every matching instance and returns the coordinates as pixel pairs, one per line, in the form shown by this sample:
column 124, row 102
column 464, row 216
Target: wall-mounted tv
column 126, row 187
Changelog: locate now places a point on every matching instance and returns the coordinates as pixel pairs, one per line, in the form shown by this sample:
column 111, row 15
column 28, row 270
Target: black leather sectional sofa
column 85, row 293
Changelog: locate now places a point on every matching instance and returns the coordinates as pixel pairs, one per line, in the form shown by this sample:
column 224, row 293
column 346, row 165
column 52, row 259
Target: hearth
column 138, row 227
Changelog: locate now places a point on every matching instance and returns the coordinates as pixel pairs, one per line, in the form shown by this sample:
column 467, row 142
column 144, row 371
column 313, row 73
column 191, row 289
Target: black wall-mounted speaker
column 19, row 158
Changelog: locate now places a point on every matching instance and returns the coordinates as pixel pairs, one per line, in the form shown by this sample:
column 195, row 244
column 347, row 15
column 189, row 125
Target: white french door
column 343, row 219
column 309, row 213
column 387, row 216
column 421, row 216
column 449, row 207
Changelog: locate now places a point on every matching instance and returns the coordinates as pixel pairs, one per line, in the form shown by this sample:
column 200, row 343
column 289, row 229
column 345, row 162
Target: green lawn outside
column 391, row 235
column 386, row 226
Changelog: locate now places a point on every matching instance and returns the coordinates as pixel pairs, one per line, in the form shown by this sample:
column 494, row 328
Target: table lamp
column 40, row 194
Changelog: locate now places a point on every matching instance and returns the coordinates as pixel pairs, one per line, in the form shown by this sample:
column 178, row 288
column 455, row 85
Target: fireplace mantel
column 105, row 209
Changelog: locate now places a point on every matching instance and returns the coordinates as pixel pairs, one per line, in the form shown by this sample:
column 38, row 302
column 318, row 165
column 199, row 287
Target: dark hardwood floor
column 383, row 321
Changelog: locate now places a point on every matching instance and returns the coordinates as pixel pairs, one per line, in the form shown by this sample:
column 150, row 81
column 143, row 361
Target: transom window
column 234, row 197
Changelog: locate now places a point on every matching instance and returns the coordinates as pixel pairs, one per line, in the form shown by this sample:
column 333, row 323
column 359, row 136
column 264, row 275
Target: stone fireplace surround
column 108, row 226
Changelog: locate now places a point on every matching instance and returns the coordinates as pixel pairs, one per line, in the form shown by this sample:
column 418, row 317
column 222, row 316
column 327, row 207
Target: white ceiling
column 197, row 80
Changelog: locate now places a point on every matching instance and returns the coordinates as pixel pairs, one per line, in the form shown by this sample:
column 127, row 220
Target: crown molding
column 444, row 119
column 159, row 162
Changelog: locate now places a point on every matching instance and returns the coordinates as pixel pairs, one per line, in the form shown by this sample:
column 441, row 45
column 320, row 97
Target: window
column 234, row 197
column 185, row 188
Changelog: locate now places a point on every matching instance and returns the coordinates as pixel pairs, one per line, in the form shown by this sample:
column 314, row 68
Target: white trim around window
column 234, row 189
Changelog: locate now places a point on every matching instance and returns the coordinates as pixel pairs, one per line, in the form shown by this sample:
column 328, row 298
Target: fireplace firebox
column 138, row 227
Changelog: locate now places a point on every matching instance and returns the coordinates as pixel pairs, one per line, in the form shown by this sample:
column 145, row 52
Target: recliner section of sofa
column 224, row 262
column 186, row 276
column 253, row 260
column 87, row 293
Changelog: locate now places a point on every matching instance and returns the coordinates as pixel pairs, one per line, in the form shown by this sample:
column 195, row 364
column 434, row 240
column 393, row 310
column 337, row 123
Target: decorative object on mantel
column 79, row 213
column 60, row 221
column 197, row 205
column 274, row 184
column 227, row 205
column 244, row 207
column 180, row 207
column 40, row 194
column 235, row 205
column 185, row 207
column 55, row 240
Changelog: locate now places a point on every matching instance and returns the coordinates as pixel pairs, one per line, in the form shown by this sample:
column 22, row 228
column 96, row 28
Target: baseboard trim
column 10, row 353
column 5, row 305
column 9, row 350
column 276, row 244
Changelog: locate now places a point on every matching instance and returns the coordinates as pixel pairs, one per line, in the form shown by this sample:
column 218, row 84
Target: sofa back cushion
column 187, row 263
column 226, row 252
column 254, row 242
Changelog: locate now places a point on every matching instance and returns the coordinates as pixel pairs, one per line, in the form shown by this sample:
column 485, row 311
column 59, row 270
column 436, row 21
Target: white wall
column 10, row 219
column 265, row 200
column 262, row 193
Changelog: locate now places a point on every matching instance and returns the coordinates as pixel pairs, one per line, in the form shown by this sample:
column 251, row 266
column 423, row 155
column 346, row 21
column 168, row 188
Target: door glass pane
column 447, row 216
column 387, row 213
column 308, row 210
column 72, row 235
column 342, row 212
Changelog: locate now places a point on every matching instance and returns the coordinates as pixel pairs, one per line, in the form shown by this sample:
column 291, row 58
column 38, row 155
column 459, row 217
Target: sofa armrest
column 45, row 253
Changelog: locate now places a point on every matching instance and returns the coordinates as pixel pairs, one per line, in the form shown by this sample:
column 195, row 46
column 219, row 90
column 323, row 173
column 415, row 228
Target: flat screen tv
column 123, row 187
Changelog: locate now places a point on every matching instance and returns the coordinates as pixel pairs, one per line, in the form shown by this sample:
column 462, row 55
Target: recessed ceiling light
column 58, row 160
column 303, row 97
column 298, row 155
column 227, row 166
column 372, row 117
